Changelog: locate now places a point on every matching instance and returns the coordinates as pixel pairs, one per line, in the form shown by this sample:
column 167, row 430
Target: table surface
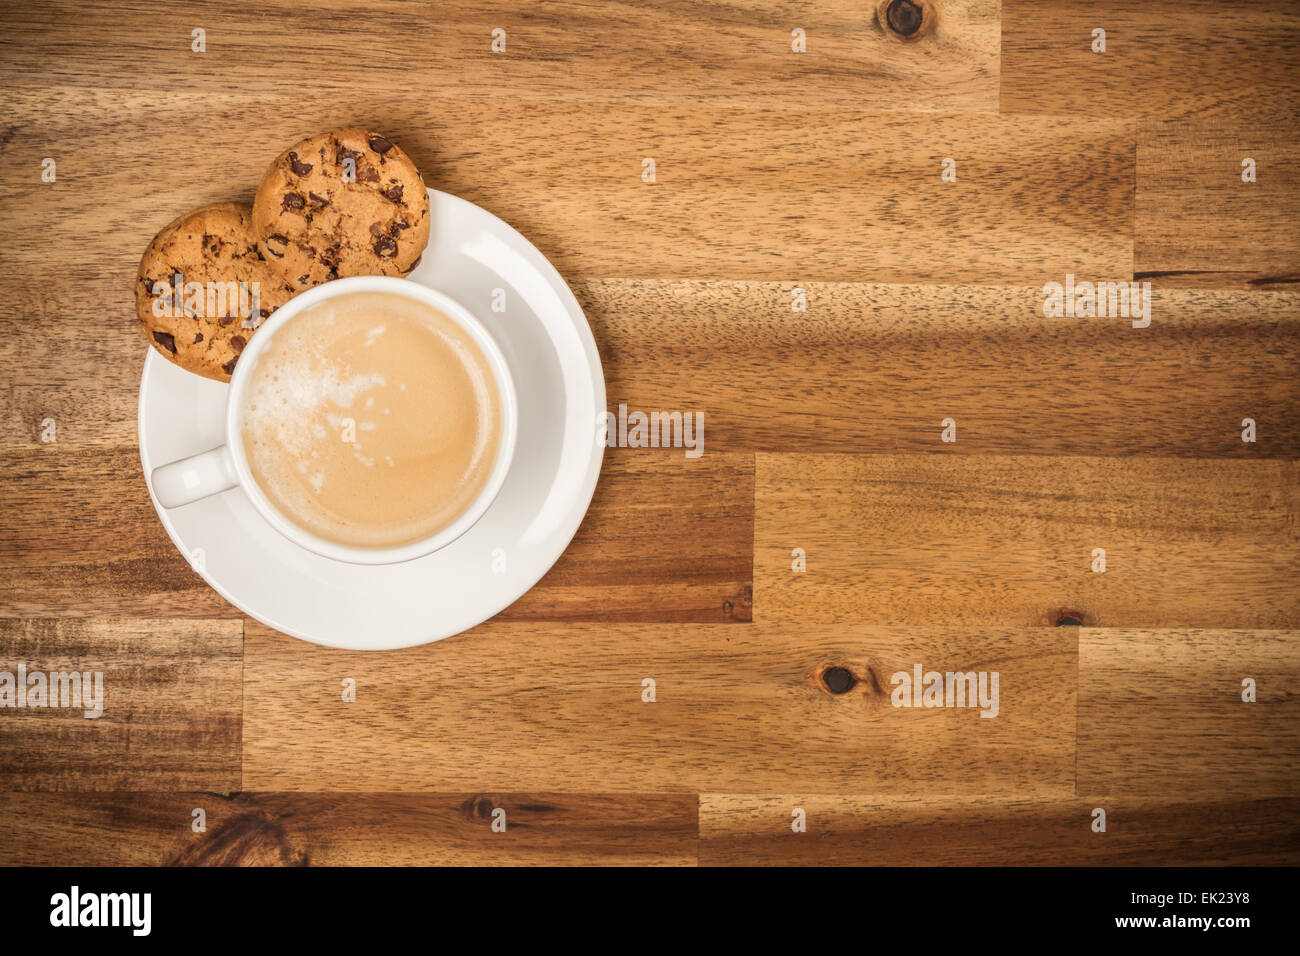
column 775, row 171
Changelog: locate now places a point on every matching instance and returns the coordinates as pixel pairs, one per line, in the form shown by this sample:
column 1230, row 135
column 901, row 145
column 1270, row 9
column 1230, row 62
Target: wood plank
column 1171, row 58
column 878, row 366
column 364, row 829
column 1003, row 541
column 652, row 51
column 743, row 708
column 1163, row 713
column 849, row 830
column 639, row 555
column 1197, row 223
column 807, row 195
column 170, row 703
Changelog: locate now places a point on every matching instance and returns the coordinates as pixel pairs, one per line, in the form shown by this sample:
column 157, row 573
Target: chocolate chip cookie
column 347, row 203
column 203, row 287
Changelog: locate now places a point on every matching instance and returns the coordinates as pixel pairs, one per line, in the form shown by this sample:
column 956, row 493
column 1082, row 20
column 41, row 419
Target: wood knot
column 906, row 20
column 478, row 807
column 742, row 608
column 1067, row 617
column 254, row 838
column 838, row 680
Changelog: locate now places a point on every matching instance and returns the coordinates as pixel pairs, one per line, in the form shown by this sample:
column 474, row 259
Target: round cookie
column 203, row 320
column 347, row 203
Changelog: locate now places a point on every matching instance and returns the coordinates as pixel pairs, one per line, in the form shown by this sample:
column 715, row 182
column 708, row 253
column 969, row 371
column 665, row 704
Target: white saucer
column 556, row 368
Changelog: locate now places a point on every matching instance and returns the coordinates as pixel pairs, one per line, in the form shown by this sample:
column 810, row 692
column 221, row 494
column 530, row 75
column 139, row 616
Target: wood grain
column 364, row 829
column 813, row 195
column 171, row 706
column 847, row 830
column 667, row 538
column 650, row 51
column 744, row 708
column 872, row 368
column 1169, row 58
column 1197, row 223
column 1162, row 714
column 1002, row 541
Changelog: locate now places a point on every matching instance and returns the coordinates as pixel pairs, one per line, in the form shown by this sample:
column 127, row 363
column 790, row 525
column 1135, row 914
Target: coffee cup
column 226, row 467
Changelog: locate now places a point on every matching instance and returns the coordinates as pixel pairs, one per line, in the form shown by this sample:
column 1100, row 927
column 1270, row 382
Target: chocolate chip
column 368, row 175
column 197, row 339
column 380, row 145
column 276, row 237
column 299, row 168
column 229, row 367
column 212, row 244
column 318, row 201
column 237, row 342
column 292, row 201
column 385, row 248
column 226, row 319
column 331, row 260
column 394, row 192
column 411, row 267
column 376, row 229
column 166, row 340
column 302, row 279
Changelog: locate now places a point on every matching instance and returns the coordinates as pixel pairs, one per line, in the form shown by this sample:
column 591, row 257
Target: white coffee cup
column 226, row 467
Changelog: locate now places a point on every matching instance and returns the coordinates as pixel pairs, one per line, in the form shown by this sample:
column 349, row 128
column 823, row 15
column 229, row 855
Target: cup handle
column 195, row 477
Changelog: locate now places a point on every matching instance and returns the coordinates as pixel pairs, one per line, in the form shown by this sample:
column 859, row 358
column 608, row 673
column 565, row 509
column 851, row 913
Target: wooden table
column 775, row 171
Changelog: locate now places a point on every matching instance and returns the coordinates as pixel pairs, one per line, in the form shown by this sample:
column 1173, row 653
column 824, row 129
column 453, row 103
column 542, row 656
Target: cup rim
column 505, row 448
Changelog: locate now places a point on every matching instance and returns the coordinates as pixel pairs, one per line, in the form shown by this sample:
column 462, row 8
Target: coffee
column 371, row 420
